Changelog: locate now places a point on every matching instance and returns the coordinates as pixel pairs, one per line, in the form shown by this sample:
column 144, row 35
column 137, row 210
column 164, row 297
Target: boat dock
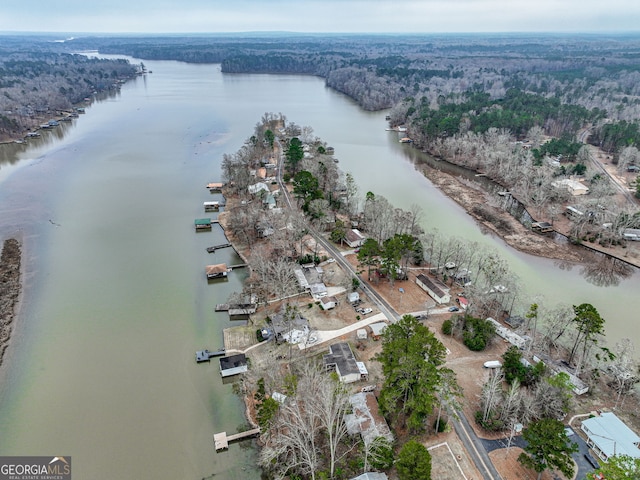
column 205, row 355
column 222, row 440
column 216, row 247
column 222, row 307
column 239, row 265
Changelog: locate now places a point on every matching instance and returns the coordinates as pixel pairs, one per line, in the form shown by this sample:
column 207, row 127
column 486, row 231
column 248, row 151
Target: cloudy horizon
column 316, row 16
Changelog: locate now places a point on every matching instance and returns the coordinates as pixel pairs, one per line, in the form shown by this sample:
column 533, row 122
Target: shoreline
column 10, row 290
column 469, row 197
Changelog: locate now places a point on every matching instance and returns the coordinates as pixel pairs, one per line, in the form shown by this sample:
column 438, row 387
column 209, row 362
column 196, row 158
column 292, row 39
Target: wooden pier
column 217, row 247
column 239, row 265
column 222, row 440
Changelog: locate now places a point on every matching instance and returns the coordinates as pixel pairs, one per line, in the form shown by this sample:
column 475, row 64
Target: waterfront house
column 216, row 271
column 233, row 365
column 607, row 435
column 436, row 289
column 340, row 359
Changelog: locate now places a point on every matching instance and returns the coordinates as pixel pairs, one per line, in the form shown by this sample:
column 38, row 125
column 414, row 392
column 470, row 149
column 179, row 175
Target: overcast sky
column 393, row 16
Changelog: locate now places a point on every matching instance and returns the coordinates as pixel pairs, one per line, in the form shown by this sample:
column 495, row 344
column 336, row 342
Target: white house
column 354, row 238
column 258, row 187
column 607, row 435
column 327, row 303
column 574, row 187
column 436, row 289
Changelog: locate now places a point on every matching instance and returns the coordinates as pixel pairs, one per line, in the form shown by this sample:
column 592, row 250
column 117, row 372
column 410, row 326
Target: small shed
column 377, row 329
column 327, row 303
column 233, row 365
column 353, row 297
column 361, row 334
column 216, row 271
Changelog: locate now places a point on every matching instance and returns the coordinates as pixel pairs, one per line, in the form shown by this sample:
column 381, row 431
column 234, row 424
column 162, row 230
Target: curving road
column 467, row 435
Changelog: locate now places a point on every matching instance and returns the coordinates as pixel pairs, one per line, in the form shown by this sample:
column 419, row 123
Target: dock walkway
column 222, row 440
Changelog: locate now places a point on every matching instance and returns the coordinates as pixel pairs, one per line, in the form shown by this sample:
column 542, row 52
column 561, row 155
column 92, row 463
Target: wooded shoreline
column 10, row 289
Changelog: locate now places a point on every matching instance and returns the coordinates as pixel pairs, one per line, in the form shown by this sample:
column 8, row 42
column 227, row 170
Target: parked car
column 454, row 309
column 364, row 311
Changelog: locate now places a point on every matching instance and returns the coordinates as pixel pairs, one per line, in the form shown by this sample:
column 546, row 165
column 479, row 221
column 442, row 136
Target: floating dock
column 206, row 355
column 222, row 440
column 217, row 247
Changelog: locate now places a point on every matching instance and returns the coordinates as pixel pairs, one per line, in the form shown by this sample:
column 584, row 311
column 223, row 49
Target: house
column 269, row 201
column 309, row 278
column 202, row 224
column 285, row 328
column 354, row 238
column 542, row 227
column 574, row 187
column 327, row 303
column 607, row 435
column 258, row 187
column 366, row 419
column 464, row 303
column 436, row 289
column 631, row 234
column 264, row 229
column 216, row 271
column 233, row 365
column 340, row 359
column 508, row 335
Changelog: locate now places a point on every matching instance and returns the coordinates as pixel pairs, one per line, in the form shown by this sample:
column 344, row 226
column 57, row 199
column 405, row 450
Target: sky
column 349, row 16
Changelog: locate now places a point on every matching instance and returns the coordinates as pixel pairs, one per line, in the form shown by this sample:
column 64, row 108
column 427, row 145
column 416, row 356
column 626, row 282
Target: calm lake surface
column 101, row 364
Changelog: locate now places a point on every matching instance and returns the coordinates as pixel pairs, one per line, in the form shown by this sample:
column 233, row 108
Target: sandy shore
column 10, row 288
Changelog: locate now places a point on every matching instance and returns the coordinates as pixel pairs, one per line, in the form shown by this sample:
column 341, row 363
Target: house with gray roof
column 340, row 359
column 608, row 436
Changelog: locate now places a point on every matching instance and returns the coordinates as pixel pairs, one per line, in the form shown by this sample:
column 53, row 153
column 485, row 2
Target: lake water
column 101, row 364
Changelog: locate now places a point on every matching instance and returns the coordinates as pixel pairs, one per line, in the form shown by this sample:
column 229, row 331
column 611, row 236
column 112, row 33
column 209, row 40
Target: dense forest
column 475, row 100
column 38, row 82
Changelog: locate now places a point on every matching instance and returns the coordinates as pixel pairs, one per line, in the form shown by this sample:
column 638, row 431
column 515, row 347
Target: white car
column 364, row 311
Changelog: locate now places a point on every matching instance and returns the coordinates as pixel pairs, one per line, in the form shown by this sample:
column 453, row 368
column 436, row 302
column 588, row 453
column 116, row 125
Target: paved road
column 584, row 467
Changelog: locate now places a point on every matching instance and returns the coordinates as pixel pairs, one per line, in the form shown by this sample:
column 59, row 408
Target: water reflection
column 605, row 271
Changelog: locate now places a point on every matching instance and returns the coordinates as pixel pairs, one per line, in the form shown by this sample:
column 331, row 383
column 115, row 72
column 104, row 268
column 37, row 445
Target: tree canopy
column 411, row 356
column 548, row 447
column 414, row 462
